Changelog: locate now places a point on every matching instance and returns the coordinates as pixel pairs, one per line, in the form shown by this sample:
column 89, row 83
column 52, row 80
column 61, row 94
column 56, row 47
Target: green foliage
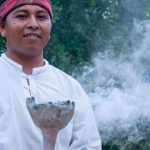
column 74, row 29
column 143, row 144
column 2, row 45
column 1, row 2
column 111, row 146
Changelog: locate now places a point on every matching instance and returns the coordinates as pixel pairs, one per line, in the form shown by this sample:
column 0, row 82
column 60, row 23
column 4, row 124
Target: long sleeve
column 85, row 133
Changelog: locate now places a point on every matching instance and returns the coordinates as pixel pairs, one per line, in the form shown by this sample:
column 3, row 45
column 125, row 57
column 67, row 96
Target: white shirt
column 47, row 83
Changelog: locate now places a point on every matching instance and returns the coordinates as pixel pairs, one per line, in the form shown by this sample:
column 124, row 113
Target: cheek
column 13, row 28
column 12, row 37
column 47, row 33
column 48, row 29
column 11, row 33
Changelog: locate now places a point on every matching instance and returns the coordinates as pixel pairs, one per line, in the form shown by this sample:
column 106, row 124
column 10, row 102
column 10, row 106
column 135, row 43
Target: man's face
column 27, row 31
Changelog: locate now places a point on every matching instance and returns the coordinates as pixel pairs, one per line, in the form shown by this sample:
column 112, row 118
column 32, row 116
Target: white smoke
column 119, row 88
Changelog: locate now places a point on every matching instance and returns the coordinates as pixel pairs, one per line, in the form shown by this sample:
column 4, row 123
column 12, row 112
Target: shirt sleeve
column 85, row 132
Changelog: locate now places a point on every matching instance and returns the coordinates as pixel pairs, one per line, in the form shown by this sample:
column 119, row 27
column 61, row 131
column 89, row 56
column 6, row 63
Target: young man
column 26, row 25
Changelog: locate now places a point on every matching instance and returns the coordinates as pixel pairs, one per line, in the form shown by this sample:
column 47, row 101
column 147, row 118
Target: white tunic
column 47, row 83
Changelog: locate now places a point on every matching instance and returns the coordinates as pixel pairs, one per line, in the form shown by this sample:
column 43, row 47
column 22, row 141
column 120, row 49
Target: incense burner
column 50, row 118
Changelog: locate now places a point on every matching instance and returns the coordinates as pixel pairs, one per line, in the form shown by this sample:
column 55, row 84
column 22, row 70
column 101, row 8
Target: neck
column 27, row 68
column 28, row 63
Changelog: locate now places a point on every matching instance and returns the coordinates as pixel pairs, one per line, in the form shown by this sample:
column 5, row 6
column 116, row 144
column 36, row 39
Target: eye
column 21, row 16
column 42, row 17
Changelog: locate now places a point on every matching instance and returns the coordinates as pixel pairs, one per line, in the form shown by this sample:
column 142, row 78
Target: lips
column 32, row 35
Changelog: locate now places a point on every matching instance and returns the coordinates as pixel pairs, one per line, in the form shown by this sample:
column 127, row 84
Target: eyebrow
column 20, row 10
column 26, row 11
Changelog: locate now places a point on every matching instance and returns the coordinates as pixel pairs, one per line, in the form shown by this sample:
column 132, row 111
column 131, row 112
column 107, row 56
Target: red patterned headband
column 10, row 5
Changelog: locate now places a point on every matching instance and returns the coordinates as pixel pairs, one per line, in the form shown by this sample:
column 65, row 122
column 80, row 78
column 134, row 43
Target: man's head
column 27, row 27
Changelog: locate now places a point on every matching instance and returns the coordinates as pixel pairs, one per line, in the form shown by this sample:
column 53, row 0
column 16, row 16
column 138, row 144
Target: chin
column 32, row 51
column 31, row 54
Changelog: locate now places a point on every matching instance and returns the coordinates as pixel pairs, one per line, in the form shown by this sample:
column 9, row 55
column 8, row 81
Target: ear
column 2, row 29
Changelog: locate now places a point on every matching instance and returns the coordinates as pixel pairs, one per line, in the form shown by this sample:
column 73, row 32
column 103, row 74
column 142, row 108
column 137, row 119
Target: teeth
column 32, row 36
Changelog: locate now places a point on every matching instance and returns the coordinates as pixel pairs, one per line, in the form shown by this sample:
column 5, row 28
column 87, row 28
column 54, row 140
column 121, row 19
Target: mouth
column 32, row 36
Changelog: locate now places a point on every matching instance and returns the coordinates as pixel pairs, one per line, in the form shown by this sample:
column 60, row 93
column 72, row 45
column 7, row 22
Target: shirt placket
column 28, row 87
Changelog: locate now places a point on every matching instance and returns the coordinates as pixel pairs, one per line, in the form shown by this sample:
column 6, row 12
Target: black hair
column 4, row 20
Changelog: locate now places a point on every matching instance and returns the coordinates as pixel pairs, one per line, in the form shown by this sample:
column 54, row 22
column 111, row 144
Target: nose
column 32, row 23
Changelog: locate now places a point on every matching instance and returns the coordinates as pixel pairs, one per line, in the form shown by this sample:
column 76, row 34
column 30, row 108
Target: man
column 26, row 25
